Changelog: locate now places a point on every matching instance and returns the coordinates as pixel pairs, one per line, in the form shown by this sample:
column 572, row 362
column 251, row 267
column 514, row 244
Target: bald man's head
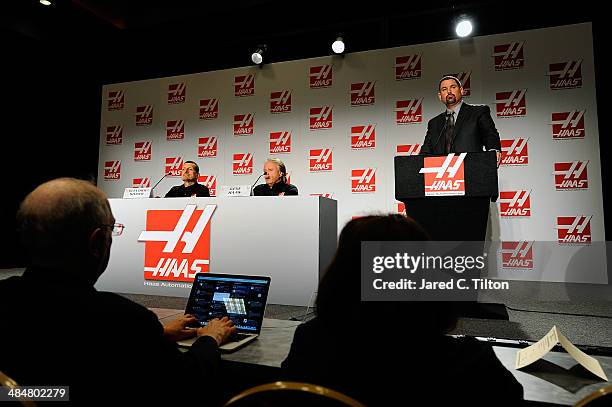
column 57, row 219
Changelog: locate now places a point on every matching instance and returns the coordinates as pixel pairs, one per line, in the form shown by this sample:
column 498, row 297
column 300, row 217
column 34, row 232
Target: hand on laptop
column 177, row 330
column 219, row 329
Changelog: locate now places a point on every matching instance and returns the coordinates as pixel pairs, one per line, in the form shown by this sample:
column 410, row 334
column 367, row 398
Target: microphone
column 161, row 179
column 253, row 186
column 442, row 131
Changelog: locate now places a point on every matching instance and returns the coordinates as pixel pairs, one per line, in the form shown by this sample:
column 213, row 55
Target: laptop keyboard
column 237, row 337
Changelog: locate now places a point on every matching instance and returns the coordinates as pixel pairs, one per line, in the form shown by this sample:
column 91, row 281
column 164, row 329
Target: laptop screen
column 241, row 298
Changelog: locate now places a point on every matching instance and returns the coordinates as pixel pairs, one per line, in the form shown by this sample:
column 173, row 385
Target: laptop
column 241, row 298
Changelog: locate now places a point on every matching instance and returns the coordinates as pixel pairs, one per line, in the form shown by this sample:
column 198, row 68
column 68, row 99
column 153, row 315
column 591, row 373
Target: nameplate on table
column 137, row 193
column 235, row 190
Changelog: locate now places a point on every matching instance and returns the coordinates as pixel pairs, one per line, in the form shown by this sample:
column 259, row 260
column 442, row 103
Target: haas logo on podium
column 177, row 243
column 444, row 175
column 574, row 229
column 517, row 255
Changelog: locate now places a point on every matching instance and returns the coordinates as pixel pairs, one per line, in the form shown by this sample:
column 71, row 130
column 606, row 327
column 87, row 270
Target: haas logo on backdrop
column 514, row 151
column 174, row 166
column 244, row 124
column 565, row 75
column 363, row 137
column 409, row 111
column 141, row 182
column 114, row 135
column 511, row 104
column 571, row 175
column 408, row 149
column 243, row 164
column 466, row 81
column 112, row 170
column 207, row 147
column 321, row 118
column 509, row 56
column 362, row 93
column 444, row 175
column 115, row 100
column 514, row 204
column 142, row 150
column 176, row 93
column 177, row 243
column 574, row 229
column 517, row 255
column 280, row 102
column 568, row 125
column 401, row 208
column 210, row 182
column 408, row 67
column 321, row 76
column 321, row 159
column 209, row 109
column 175, row 129
column 363, row 180
column 144, row 115
column 280, row 142
column 244, row 85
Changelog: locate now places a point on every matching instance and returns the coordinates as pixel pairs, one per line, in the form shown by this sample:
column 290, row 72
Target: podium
column 449, row 196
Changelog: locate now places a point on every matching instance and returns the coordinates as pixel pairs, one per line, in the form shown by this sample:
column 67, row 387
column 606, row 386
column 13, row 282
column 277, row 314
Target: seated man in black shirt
column 276, row 180
column 190, row 186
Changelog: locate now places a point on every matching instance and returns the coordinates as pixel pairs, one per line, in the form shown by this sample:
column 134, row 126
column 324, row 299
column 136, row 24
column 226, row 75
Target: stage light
column 464, row 26
column 258, row 55
column 338, row 45
column 45, row 2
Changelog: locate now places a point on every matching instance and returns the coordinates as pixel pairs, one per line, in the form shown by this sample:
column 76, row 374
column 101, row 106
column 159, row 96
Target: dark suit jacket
column 58, row 331
column 399, row 366
column 474, row 130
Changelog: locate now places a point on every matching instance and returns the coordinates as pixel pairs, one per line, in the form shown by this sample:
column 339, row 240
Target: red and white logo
column 115, row 100
column 174, row 166
column 244, row 124
column 509, row 56
column 141, row 182
column 363, row 137
column 574, row 229
column 401, row 208
column 175, row 129
column 362, row 94
column 243, row 164
column 321, row 118
column 409, row 111
column 571, row 175
column 565, row 75
column 112, row 170
column 514, row 204
column 466, row 81
column 321, row 159
column 177, row 243
column 514, row 151
column 408, row 67
column 114, row 135
column 280, row 102
column 444, row 175
column 517, row 255
column 280, row 142
column 207, row 147
column 144, row 115
column 176, row 93
column 142, row 150
column 408, row 149
column 210, row 182
column 321, row 76
column 244, row 85
column 568, row 125
column 511, row 104
column 363, row 180
column 329, row 195
column 209, row 109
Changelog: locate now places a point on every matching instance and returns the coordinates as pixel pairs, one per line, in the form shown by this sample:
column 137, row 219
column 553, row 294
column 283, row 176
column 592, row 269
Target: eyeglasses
column 116, row 229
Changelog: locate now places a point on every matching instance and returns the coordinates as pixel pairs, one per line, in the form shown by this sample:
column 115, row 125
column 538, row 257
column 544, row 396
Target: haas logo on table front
column 444, row 175
column 177, row 243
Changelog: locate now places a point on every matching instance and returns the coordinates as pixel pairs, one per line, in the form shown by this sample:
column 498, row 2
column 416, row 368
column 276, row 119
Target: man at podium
column 190, row 187
column 275, row 174
column 461, row 127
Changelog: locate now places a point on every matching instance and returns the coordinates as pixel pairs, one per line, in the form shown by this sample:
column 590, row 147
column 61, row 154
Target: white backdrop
column 346, row 117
